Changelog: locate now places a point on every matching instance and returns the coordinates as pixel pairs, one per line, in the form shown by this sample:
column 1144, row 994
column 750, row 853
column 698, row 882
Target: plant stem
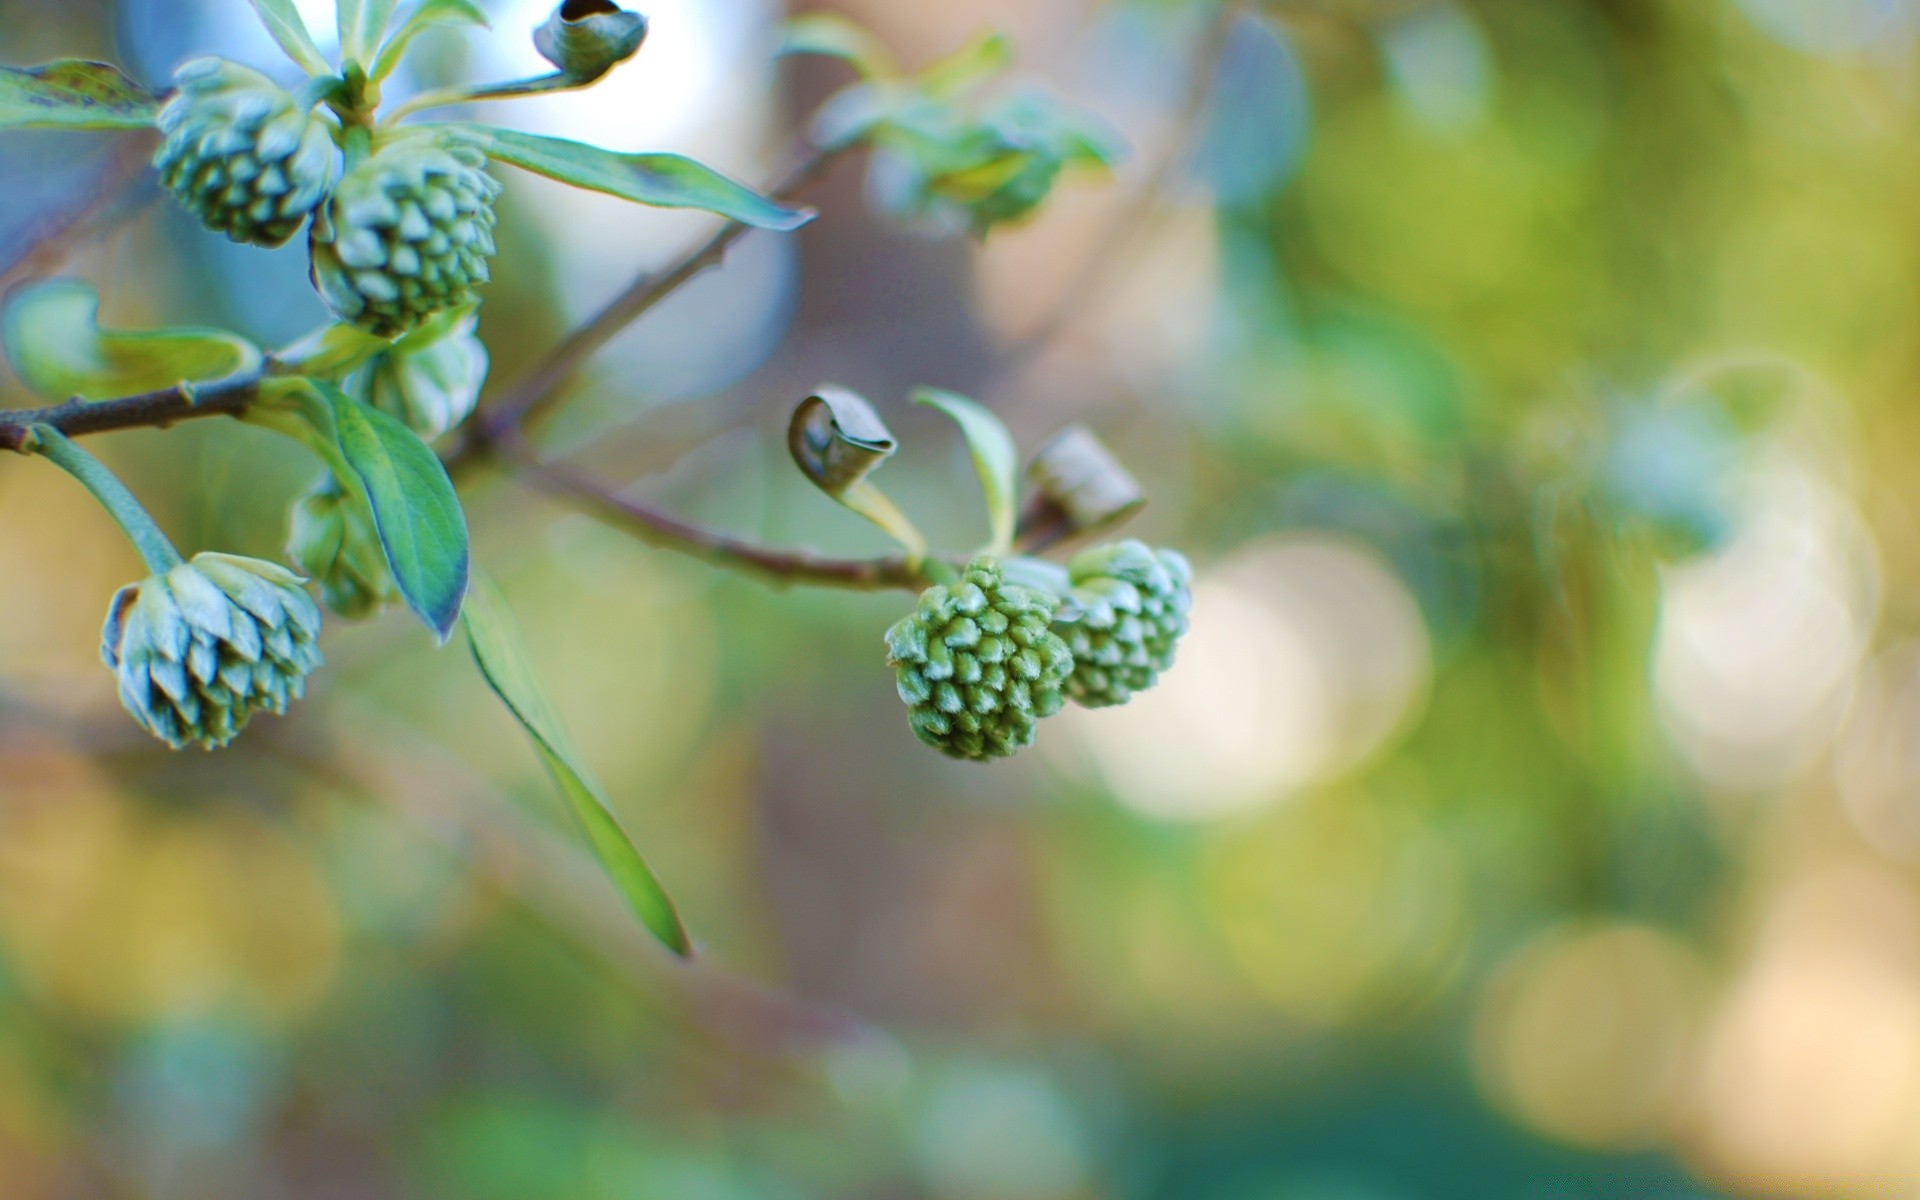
column 228, row 397
column 63, row 452
column 445, row 97
column 669, row 532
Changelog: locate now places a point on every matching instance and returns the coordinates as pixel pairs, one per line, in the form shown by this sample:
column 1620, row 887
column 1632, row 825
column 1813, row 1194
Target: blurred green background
column 1534, row 811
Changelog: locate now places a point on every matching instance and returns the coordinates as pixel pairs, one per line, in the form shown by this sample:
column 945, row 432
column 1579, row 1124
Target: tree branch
column 669, row 532
column 182, row 402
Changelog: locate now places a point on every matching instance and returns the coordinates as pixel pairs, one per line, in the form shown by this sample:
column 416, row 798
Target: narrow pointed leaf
column 361, row 24
column 837, row 440
column 835, row 36
column 415, row 509
column 661, row 180
column 972, row 65
column 73, row 94
column 428, row 14
column 283, row 21
column 497, row 647
column 58, row 349
column 995, row 457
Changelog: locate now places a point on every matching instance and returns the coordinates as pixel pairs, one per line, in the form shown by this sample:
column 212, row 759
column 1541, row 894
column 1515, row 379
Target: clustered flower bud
column 332, row 538
column 241, row 154
column 407, row 233
column 201, row 648
column 977, row 665
column 430, row 379
column 1123, row 614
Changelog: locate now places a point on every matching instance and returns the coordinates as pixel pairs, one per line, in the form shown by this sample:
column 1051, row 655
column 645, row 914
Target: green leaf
column 662, row 180
column 835, row 36
column 58, row 349
column 283, row 21
column 974, row 64
column 837, row 440
column 414, row 506
column 497, row 647
column 428, row 14
column 361, row 24
column 995, row 457
column 73, row 94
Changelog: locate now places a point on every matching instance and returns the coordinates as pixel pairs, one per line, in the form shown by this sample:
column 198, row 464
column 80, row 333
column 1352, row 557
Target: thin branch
column 182, row 402
column 668, row 532
column 541, row 388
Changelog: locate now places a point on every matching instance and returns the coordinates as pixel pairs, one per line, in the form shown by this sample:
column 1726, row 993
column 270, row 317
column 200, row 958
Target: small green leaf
column 834, row 36
column 995, row 457
column 361, row 24
column 58, row 349
column 837, row 440
column 971, row 66
column 73, row 94
column 662, row 180
column 429, row 14
column 414, row 506
column 283, row 21
column 497, row 647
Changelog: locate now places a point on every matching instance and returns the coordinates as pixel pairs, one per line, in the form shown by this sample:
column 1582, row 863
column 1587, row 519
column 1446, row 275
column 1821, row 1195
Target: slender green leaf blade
column 361, row 24
column 56, row 345
column 497, row 647
column 995, row 457
column 661, row 180
column 283, row 21
column 967, row 68
column 429, row 14
column 73, row 94
column 834, row 36
column 414, row 507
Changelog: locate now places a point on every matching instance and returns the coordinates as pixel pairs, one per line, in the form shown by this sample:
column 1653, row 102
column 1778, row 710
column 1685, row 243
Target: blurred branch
column 114, row 197
column 542, row 388
column 662, row 529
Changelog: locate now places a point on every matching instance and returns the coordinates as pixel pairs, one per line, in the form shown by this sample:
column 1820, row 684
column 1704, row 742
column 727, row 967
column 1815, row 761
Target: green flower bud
column 407, row 233
column 1121, row 617
column 430, row 379
column 241, row 154
column 977, row 664
column 332, row 539
column 199, row 649
column 588, row 38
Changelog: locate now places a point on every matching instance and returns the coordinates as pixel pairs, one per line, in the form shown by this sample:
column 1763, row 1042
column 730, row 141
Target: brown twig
column 182, row 402
column 662, row 529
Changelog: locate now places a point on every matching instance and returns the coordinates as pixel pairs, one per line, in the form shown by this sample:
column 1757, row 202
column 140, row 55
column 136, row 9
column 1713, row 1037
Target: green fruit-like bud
column 588, row 38
column 430, row 379
column 332, row 539
column 407, row 233
column 1126, row 609
column 241, row 154
column 977, row 664
column 201, row 648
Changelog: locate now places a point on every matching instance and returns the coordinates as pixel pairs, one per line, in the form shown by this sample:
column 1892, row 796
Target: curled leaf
column 837, row 440
column 1079, row 488
column 58, row 349
column 588, row 38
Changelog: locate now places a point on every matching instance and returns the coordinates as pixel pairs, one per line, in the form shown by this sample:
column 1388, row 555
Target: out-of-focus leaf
column 361, row 24
column 58, row 349
column 429, row 14
column 585, row 41
column 497, row 647
column 661, row 180
column 973, row 65
column 834, row 36
column 414, row 507
column 1257, row 132
column 283, row 21
column 995, row 457
column 1079, row 486
column 73, row 94
column 837, row 440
